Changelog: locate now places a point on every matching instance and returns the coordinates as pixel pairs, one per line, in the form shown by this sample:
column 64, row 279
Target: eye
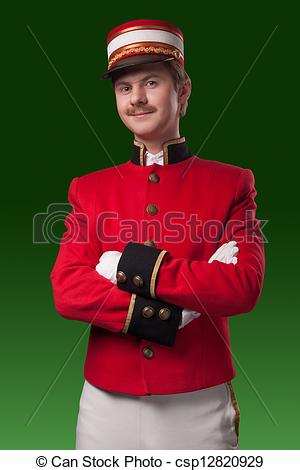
column 151, row 81
column 123, row 88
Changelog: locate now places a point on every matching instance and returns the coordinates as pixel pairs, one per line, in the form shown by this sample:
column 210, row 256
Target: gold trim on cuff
column 155, row 272
column 129, row 314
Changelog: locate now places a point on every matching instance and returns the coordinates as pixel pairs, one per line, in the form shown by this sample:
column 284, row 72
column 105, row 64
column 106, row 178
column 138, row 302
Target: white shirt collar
column 151, row 158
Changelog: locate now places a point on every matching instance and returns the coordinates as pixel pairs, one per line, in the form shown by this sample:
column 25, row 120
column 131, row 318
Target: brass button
column 148, row 311
column 164, row 313
column 150, row 243
column 148, row 353
column 137, row 281
column 121, row 277
column 154, row 178
column 152, row 209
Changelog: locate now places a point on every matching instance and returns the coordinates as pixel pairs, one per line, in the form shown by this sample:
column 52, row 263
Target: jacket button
column 121, row 277
column 150, row 243
column 148, row 311
column 152, row 209
column 137, row 281
column 148, row 353
column 154, row 178
column 164, row 313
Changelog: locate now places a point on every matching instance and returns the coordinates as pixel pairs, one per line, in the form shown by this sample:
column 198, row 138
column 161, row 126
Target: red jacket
column 110, row 208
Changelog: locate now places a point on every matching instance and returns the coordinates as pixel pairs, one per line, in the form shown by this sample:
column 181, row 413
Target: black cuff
column 138, row 268
column 153, row 320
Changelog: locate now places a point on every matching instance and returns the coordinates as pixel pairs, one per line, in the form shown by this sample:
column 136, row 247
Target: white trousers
column 203, row 419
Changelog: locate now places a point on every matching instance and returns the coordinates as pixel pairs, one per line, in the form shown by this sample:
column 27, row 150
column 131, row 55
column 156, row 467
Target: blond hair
column 180, row 78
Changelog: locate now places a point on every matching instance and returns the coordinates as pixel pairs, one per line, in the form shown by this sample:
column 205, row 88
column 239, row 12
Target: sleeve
column 211, row 288
column 153, row 320
column 81, row 293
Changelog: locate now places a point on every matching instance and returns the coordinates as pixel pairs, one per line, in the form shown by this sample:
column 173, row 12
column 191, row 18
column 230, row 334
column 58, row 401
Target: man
column 158, row 293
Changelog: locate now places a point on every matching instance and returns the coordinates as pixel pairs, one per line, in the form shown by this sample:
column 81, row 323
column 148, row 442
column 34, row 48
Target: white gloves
column 108, row 264
column 109, row 260
column 226, row 253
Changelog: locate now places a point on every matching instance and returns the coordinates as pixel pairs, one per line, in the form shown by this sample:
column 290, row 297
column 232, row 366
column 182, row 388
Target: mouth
column 140, row 115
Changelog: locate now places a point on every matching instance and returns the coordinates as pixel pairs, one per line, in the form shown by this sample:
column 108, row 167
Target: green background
column 61, row 122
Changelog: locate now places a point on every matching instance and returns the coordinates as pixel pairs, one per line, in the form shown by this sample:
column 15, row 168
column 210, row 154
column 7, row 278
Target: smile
column 141, row 115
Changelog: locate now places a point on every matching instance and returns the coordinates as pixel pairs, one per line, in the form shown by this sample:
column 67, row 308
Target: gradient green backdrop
column 62, row 122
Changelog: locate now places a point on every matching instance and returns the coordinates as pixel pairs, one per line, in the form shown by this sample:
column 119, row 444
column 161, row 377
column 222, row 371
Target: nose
column 138, row 95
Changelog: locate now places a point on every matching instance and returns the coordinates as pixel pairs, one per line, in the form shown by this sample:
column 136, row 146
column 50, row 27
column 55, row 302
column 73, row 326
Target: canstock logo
column 44, row 224
column 174, row 227
column 177, row 227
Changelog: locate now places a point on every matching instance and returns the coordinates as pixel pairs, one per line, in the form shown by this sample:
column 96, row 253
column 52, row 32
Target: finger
column 229, row 258
column 230, row 255
column 231, row 252
column 222, row 256
column 218, row 252
column 222, row 252
column 217, row 257
column 225, row 248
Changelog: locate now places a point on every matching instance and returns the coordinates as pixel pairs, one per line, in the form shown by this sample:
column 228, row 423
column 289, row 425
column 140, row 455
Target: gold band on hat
column 146, row 48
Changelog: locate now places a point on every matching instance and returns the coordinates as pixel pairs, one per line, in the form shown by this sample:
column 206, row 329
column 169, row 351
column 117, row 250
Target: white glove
column 109, row 260
column 108, row 264
column 225, row 253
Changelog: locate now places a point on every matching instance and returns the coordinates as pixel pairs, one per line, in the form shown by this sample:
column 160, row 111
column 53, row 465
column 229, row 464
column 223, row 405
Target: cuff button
column 138, row 281
column 164, row 313
column 150, row 243
column 148, row 311
column 121, row 277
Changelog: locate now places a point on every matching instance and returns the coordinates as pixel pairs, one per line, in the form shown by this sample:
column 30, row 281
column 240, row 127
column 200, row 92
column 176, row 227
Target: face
column 147, row 101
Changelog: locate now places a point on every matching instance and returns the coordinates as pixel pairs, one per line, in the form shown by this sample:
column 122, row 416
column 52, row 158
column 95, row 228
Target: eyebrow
column 152, row 75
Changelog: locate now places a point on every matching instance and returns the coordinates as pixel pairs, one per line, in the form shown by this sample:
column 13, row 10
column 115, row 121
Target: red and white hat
column 142, row 42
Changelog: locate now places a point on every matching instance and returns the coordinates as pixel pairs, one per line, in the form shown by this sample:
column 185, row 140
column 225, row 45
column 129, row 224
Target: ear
column 184, row 92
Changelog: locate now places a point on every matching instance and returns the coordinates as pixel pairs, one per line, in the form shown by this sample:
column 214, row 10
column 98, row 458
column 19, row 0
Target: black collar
column 174, row 151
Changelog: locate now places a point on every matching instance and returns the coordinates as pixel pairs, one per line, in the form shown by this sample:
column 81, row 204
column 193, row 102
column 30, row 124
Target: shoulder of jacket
column 86, row 185
column 91, row 179
column 220, row 169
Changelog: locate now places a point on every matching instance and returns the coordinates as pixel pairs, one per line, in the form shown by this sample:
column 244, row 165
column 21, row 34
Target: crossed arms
column 170, row 284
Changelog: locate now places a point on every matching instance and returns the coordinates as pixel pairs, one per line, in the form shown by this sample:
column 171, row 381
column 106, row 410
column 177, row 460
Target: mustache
column 140, row 111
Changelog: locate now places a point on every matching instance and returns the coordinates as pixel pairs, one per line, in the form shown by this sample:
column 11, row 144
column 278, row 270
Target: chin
column 145, row 132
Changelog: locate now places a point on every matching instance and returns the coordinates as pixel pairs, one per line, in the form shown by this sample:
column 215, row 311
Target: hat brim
column 133, row 61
